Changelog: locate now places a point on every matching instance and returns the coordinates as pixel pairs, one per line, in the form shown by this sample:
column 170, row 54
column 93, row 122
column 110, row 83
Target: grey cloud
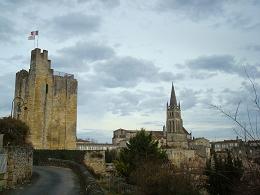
column 73, row 25
column 193, row 9
column 100, row 102
column 18, row 5
column 13, row 64
column 248, row 113
column 100, row 68
column 153, row 123
column 88, row 50
column 236, row 14
column 126, row 71
column 127, row 102
column 121, row 103
column 242, row 21
column 7, row 5
column 189, row 98
column 202, row 75
column 7, row 30
column 253, row 48
column 6, row 94
column 124, row 103
column 223, row 63
column 206, row 97
column 205, row 66
column 215, row 134
column 104, row 3
column 228, row 100
column 129, row 71
column 245, row 95
column 76, row 58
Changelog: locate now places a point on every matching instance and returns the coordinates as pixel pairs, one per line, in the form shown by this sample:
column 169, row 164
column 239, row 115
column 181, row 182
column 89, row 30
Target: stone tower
column 47, row 102
column 176, row 134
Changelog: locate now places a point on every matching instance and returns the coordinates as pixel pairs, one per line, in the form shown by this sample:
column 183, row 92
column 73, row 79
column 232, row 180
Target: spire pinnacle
column 173, row 101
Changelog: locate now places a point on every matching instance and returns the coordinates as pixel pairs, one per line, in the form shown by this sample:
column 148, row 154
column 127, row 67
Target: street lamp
column 20, row 103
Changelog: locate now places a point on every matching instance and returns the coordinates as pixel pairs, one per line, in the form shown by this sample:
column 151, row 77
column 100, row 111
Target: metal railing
column 62, row 74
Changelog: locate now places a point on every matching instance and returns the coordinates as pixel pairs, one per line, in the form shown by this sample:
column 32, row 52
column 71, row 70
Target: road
column 49, row 180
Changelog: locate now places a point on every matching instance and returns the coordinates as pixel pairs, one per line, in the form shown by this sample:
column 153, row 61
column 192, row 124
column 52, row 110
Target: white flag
column 31, row 37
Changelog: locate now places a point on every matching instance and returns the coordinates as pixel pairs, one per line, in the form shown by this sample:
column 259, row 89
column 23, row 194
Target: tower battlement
column 39, row 60
column 37, row 54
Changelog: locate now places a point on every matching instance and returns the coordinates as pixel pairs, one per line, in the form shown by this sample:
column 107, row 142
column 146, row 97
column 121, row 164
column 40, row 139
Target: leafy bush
column 15, row 132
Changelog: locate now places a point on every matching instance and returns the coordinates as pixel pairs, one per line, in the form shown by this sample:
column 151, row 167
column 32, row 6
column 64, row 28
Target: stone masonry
column 19, row 165
column 47, row 102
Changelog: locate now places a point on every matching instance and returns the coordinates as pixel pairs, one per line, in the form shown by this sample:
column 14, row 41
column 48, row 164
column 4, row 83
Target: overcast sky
column 125, row 55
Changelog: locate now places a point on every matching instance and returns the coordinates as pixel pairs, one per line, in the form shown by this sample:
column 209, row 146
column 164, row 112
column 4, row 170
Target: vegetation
column 154, row 178
column 140, row 149
column 110, row 155
column 15, row 132
column 41, row 156
column 144, row 164
column 96, row 155
column 224, row 173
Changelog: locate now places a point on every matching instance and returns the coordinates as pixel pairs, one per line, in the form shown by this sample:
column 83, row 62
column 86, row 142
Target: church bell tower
column 175, row 132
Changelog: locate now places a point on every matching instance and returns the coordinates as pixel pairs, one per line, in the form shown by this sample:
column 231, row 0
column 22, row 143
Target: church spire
column 173, row 101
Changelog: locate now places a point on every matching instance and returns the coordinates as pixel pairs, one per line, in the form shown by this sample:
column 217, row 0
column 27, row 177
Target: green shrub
column 15, row 132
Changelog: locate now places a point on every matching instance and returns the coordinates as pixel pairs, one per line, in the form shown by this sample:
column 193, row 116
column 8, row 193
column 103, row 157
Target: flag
column 31, row 37
column 33, row 34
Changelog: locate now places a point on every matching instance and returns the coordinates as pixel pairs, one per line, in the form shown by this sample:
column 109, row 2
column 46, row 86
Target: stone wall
column 19, row 165
column 180, row 157
column 177, row 140
column 186, row 159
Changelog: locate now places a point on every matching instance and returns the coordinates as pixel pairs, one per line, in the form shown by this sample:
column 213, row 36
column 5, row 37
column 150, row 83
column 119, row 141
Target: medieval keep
column 47, row 102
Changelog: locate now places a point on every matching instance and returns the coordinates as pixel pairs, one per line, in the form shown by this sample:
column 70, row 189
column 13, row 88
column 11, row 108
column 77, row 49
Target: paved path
column 50, row 181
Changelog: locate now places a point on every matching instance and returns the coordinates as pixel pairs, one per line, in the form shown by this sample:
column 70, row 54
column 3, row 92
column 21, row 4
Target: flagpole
column 34, row 43
column 37, row 40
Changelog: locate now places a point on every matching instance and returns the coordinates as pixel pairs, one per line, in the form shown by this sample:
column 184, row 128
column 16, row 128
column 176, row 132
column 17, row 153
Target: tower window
column 47, row 88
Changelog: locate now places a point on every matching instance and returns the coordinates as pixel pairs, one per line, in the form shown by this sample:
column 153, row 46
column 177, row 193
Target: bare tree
column 247, row 127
